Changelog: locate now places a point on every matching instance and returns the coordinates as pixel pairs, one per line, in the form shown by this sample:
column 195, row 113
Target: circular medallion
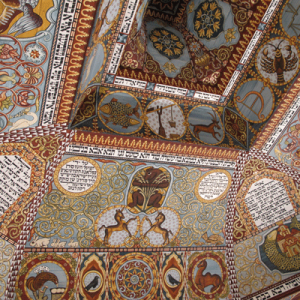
column 77, row 176
column 254, row 100
column 205, row 125
column 166, row 43
column 213, row 186
column 172, row 277
column 121, row 112
column 278, row 61
column 92, row 281
column 51, row 276
column 290, row 18
column 165, row 118
column 134, row 276
column 116, row 227
column 207, row 275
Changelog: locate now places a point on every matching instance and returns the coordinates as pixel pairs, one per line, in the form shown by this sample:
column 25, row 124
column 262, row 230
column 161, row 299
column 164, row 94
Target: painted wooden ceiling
column 99, row 99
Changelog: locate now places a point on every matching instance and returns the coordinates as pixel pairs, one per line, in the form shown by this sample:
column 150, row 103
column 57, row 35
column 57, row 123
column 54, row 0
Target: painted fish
column 123, row 121
column 116, row 108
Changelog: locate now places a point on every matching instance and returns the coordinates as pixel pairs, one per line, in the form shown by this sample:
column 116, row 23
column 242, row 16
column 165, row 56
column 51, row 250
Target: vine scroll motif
column 67, row 216
column 197, row 217
column 252, row 275
column 6, row 254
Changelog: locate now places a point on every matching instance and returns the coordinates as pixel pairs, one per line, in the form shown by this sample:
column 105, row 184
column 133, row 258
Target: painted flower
column 7, row 52
column 194, row 47
column 229, row 36
column 32, row 75
column 35, row 53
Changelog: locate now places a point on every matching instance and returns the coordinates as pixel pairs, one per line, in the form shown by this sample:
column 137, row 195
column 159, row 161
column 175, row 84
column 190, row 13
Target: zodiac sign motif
column 156, row 227
column 258, row 96
column 36, row 284
column 208, row 128
column 150, row 185
column 203, row 281
column 120, row 226
column 279, row 64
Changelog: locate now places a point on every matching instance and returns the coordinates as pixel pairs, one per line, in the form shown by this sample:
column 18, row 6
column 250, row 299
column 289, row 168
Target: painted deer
column 121, row 225
column 208, row 128
column 156, row 227
column 202, row 281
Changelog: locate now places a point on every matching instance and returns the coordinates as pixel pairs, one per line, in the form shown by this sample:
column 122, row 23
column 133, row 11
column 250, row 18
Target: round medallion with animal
column 205, row 125
column 51, row 278
column 148, row 189
column 121, row 112
column 207, row 276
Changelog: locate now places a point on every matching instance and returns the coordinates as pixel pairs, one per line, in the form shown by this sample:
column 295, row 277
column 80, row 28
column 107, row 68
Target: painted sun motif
column 166, row 43
column 208, row 20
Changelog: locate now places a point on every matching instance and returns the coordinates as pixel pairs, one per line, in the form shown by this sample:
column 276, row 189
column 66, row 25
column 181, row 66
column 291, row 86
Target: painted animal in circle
column 202, row 281
column 208, row 128
column 279, row 63
column 148, row 184
column 156, row 227
column 120, row 226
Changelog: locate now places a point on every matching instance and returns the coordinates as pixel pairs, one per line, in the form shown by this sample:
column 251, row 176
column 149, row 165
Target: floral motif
column 32, row 75
column 229, row 36
column 35, row 53
column 166, row 43
column 208, row 20
column 7, row 52
column 194, row 47
column 128, row 61
column 169, row 67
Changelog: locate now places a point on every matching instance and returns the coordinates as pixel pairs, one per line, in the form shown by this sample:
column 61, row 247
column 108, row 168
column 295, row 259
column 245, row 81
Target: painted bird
column 92, row 284
column 35, row 283
column 172, row 280
column 28, row 22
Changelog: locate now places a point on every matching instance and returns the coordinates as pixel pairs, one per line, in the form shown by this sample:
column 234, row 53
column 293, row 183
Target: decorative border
column 67, row 15
column 12, row 136
column 148, row 156
column 194, row 151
